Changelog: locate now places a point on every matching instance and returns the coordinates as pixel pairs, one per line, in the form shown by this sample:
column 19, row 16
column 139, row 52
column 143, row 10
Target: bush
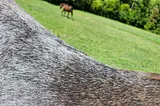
column 96, row 6
column 110, row 8
column 124, row 13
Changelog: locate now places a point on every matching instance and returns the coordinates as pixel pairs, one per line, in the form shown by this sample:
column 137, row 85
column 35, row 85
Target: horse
column 66, row 8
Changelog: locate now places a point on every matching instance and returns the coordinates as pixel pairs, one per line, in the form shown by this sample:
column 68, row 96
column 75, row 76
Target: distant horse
column 66, row 8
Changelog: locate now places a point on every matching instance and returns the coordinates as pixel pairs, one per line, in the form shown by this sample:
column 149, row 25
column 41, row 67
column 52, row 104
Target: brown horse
column 66, row 8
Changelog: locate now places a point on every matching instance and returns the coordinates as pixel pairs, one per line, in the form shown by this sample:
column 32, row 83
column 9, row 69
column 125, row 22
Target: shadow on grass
column 71, row 18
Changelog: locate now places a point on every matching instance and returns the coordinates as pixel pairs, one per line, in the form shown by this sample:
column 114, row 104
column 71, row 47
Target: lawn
column 103, row 39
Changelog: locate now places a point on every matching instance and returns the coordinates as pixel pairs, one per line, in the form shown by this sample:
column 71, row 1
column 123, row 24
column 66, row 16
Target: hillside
column 108, row 41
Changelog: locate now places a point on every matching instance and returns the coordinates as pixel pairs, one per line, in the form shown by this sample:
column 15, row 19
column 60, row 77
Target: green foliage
column 110, row 8
column 153, row 23
column 124, row 13
column 125, row 7
column 108, row 41
column 97, row 6
column 82, row 4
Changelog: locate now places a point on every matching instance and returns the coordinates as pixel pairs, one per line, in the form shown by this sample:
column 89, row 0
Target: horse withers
column 66, row 8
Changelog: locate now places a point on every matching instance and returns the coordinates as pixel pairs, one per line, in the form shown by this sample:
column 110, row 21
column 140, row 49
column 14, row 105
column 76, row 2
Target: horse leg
column 62, row 13
column 72, row 14
column 68, row 15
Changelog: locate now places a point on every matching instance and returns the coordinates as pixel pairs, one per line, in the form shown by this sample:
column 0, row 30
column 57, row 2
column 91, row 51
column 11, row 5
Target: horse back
column 69, row 8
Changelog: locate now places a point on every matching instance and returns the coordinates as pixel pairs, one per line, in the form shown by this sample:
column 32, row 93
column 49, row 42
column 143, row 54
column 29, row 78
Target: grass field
column 108, row 41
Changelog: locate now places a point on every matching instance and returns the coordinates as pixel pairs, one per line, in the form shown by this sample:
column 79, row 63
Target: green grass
column 107, row 41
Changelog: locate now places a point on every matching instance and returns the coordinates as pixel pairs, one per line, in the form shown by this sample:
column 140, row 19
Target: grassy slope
column 108, row 41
